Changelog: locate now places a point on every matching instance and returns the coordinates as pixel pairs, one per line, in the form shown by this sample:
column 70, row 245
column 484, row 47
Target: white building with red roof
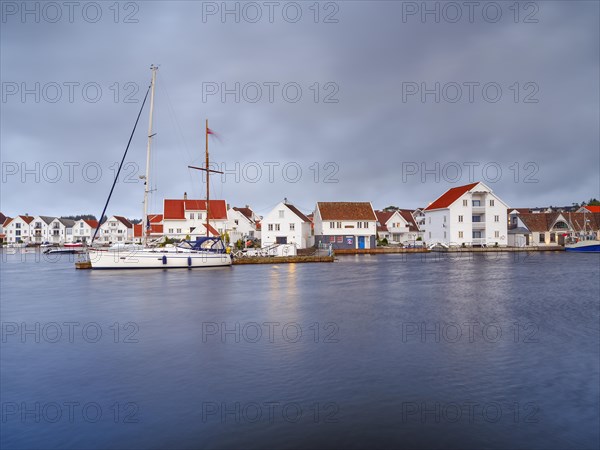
column 117, row 229
column 345, row 225
column 286, row 224
column 184, row 217
column 18, row 230
column 397, row 226
column 83, row 230
column 155, row 231
column 242, row 224
column 472, row 215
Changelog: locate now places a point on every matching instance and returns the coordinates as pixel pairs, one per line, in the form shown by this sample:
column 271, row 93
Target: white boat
column 585, row 242
column 204, row 252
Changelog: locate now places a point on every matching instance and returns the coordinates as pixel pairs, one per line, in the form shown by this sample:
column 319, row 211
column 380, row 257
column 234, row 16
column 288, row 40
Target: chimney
column 185, row 195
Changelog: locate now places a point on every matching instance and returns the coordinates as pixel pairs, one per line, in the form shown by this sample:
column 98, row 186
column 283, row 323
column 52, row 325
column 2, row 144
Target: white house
column 472, row 215
column 242, row 224
column 116, row 229
column 3, row 219
column 285, row 224
column 345, row 225
column 182, row 218
column 83, row 230
column 397, row 227
column 40, row 229
column 17, row 230
column 60, row 230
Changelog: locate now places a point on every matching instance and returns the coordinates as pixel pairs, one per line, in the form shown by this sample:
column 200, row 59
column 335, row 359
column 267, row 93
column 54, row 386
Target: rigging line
column 121, row 165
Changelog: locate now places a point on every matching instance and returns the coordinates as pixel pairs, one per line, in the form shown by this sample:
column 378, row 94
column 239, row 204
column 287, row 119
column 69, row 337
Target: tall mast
column 207, row 184
column 145, row 225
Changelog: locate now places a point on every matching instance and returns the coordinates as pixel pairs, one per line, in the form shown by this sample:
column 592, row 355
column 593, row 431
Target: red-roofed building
column 184, row 217
column 115, row 230
column 472, row 215
column 242, row 224
column 398, row 227
column 345, row 225
column 18, row 229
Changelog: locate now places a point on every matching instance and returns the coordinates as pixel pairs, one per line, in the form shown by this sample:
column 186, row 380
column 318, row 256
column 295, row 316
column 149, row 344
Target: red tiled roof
column 450, row 196
column 7, row 221
column 407, row 215
column 91, row 223
column 346, row 211
column 124, row 221
column 246, row 212
column 593, row 209
column 154, row 229
column 258, row 225
column 211, row 229
column 2, row 218
column 383, row 217
column 155, row 218
column 297, row 212
column 27, row 219
column 175, row 209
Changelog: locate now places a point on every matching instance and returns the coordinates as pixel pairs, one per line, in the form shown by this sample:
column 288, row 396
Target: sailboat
column 585, row 242
column 206, row 251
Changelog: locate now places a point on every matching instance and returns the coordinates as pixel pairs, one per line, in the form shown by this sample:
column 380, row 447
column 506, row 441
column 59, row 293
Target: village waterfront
column 475, row 350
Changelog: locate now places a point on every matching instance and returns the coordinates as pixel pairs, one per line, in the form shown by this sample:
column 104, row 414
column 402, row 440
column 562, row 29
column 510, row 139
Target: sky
column 381, row 101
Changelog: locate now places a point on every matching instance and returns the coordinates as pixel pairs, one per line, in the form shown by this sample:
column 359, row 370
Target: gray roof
column 519, row 230
column 69, row 223
column 47, row 219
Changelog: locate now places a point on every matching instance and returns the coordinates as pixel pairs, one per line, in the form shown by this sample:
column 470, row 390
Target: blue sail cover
column 206, row 243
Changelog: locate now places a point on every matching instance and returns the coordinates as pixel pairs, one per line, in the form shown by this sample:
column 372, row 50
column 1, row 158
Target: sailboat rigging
column 206, row 251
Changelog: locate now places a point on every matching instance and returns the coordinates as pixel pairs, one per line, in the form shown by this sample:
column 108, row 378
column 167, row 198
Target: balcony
column 478, row 209
column 478, row 225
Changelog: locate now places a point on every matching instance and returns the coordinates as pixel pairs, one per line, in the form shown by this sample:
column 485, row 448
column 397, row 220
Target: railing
column 478, row 225
column 479, row 209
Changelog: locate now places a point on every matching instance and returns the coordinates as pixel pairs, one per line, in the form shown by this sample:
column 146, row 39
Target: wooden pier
column 283, row 259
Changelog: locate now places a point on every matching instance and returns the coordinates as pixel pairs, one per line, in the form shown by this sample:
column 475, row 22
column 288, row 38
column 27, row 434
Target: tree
column 391, row 208
column 593, row 202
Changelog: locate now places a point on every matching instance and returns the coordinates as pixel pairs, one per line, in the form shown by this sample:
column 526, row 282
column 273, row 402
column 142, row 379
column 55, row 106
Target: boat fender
column 189, row 261
column 164, row 259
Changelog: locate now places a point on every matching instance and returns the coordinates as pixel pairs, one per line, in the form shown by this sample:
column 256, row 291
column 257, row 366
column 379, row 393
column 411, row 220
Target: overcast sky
column 359, row 130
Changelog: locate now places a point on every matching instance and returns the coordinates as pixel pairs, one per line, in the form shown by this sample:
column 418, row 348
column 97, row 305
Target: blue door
column 361, row 242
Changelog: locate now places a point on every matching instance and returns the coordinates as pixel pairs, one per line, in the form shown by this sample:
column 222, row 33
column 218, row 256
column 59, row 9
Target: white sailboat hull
column 156, row 259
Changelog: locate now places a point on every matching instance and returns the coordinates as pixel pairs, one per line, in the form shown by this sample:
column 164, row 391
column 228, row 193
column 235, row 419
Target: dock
column 379, row 250
column 283, row 259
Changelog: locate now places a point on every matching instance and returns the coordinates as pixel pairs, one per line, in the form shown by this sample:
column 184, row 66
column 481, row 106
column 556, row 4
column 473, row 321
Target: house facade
column 60, row 231
column 155, row 231
column 242, row 224
column 397, row 227
column 40, row 229
column 286, row 224
column 83, row 230
column 3, row 219
column 115, row 230
column 18, row 230
column 183, row 218
column 345, row 225
column 471, row 215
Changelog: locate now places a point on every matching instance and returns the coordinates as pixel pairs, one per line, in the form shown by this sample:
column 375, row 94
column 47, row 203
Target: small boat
column 584, row 245
column 73, row 245
column 63, row 250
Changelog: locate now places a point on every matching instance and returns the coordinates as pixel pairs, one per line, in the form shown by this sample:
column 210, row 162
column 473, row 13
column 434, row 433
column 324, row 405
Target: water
column 395, row 350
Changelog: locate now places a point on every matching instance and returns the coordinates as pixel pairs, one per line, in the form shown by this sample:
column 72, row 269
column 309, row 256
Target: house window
column 496, row 234
column 270, row 227
column 281, row 212
column 460, row 218
column 178, row 230
column 331, row 224
column 277, row 227
column 366, row 225
column 552, row 237
column 542, row 238
column 476, row 218
column 491, row 202
column 339, row 224
column 460, row 234
column 465, row 202
column 199, row 216
column 18, row 226
column 171, row 230
column 496, row 218
column 476, row 234
column 476, row 202
column 359, row 225
column 236, row 222
column 292, row 226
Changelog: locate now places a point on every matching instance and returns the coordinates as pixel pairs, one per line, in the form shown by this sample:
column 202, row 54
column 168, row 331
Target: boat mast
column 207, row 184
column 145, row 225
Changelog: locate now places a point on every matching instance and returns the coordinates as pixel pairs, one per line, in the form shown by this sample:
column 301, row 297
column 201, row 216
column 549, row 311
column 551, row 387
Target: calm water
column 373, row 351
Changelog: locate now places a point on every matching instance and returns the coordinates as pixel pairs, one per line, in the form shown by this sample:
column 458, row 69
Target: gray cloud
column 367, row 135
